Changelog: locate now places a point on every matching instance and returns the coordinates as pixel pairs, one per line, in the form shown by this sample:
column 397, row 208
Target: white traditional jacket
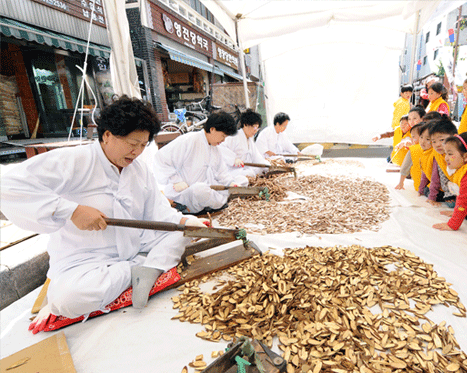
column 42, row 193
column 278, row 143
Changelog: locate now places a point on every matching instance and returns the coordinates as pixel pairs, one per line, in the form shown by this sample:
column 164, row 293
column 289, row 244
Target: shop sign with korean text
column 79, row 8
column 225, row 55
column 170, row 26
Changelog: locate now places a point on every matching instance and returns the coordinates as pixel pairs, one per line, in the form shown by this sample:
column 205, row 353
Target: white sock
column 142, row 280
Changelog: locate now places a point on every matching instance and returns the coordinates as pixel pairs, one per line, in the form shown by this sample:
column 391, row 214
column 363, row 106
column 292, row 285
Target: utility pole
column 414, row 47
column 456, row 46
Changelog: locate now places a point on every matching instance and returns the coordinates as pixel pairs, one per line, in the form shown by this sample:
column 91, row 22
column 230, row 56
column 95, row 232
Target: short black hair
column 431, row 115
column 404, row 117
column 221, row 121
column 419, row 109
column 417, row 127
column 126, row 115
column 280, row 118
column 406, row 88
column 250, row 118
column 424, row 127
column 459, row 145
column 443, row 125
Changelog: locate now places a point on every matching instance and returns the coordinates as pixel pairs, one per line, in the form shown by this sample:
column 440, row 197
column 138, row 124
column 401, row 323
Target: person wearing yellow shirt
column 440, row 130
column 456, row 158
column 437, row 94
column 402, row 105
column 463, row 124
column 401, row 132
column 411, row 164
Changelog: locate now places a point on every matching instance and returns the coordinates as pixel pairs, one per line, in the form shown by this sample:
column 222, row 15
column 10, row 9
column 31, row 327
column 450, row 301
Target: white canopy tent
column 122, row 61
column 333, row 66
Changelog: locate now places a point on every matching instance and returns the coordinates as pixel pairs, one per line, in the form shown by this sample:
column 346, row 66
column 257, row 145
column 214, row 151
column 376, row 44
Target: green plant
column 441, row 70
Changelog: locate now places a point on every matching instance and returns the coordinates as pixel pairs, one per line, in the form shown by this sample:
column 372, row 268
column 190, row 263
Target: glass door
column 50, row 92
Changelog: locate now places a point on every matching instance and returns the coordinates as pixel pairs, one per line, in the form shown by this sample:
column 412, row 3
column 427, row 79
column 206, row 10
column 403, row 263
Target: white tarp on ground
column 141, row 341
column 327, row 61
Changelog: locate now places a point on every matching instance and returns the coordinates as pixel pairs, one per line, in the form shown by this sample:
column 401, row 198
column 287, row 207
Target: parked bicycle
column 191, row 118
column 183, row 124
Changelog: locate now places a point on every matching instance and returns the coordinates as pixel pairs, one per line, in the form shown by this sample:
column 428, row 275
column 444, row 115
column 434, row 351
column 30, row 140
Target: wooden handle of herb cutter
column 143, row 224
column 257, row 165
column 219, row 187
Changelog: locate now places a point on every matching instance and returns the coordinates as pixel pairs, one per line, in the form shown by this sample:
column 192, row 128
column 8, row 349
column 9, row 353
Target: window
column 427, row 37
column 436, row 54
column 424, row 61
column 210, row 16
column 438, row 28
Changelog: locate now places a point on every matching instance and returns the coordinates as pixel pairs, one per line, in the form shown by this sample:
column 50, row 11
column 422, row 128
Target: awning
column 230, row 73
column 21, row 30
column 181, row 57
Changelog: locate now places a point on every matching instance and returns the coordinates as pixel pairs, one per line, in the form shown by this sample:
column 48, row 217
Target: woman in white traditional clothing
column 241, row 148
column 67, row 193
column 273, row 141
column 188, row 166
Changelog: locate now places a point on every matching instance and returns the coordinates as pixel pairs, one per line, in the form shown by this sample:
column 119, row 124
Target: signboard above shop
column 79, row 8
column 170, row 26
column 225, row 55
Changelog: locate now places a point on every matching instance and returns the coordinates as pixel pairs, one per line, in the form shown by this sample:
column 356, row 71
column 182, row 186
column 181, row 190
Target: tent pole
column 242, row 62
column 414, row 47
column 456, row 46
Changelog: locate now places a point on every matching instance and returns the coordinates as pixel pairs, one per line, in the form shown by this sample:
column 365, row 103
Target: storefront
column 191, row 60
column 43, row 53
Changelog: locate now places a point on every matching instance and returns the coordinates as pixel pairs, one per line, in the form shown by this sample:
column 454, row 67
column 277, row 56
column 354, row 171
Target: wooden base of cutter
column 213, row 263
column 198, row 268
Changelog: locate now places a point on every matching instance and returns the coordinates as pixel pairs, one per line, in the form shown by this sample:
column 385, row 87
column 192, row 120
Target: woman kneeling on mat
column 69, row 192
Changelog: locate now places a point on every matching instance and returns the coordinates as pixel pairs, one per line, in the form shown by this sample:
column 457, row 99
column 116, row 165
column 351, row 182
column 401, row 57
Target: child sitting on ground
column 401, row 132
column 440, row 130
column 426, row 160
column 415, row 116
column 411, row 164
column 402, row 105
column 456, row 157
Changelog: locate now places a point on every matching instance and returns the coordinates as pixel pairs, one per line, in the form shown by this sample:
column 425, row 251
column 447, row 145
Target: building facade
column 434, row 54
column 180, row 52
column 43, row 47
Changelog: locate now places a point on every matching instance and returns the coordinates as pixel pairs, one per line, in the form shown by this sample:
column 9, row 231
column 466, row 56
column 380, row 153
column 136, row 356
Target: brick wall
column 141, row 38
column 227, row 95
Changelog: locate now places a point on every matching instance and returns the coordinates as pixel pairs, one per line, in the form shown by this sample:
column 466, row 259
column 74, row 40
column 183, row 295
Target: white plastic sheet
column 140, row 341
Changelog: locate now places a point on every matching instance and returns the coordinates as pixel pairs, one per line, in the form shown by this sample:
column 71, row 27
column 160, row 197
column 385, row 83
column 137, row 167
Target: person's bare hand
column 88, row 218
column 447, row 212
column 400, row 186
column 434, row 203
column 270, row 153
column 442, row 227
